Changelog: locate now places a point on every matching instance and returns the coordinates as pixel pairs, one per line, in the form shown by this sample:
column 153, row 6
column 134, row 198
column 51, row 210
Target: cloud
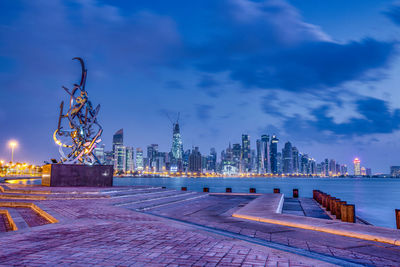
column 393, row 13
column 266, row 44
column 203, row 112
column 45, row 34
column 376, row 117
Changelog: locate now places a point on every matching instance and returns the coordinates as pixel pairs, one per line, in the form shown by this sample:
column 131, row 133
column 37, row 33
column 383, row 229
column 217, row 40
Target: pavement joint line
column 270, row 244
column 169, row 203
column 150, row 199
column 127, row 190
column 141, row 194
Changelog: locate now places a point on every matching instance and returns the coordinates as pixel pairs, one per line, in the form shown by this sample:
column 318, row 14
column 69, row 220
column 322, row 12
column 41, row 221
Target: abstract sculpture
column 78, row 129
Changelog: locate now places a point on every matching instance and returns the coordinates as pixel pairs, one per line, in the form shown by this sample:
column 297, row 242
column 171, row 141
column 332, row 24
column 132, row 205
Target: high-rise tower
column 274, row 154
column 357, row 169
column 177, row 147
column 265, row 145
column 287, row 155
column 246, row 153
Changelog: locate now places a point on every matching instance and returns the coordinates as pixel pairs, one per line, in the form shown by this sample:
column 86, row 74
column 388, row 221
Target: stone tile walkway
column 94, row 231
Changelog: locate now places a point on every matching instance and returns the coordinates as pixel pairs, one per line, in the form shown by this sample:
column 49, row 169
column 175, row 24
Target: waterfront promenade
column 146, row 225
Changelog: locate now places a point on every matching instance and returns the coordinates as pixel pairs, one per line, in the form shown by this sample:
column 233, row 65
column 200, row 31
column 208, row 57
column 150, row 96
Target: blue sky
column 321, row 74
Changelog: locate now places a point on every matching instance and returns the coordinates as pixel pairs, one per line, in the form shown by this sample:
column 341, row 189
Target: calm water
column 375, row 199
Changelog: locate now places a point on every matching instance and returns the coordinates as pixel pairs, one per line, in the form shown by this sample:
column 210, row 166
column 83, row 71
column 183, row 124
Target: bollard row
column 342, row 210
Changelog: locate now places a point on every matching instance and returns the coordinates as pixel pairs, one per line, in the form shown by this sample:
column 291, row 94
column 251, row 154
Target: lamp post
column 12, row 144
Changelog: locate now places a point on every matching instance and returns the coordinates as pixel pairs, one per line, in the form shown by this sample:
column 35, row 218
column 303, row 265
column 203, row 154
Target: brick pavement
column 93, row 231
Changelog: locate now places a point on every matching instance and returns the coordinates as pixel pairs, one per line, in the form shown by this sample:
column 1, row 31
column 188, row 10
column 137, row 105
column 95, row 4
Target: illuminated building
column 363, row 171
column 98, row 152
column 152, row 153
column 129, row 163
column 139, row 159
column 295, row 160
column 176, row 149
column 326, row 167
column 260, row 157
column 237, row 151
column 118, row 139
column 265, row 145
column 287, row 160
column 357, row 169
column 332, row 167
column 212, row 160
column 274, row 154
column 246, row 153
column 195, row 160
column 395, row 171
column 119, row 158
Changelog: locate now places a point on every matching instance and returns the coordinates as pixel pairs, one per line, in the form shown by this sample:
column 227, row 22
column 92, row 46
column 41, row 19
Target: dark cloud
column 375, row 118
column 266, row 44
column 393, row 13
column 203, row 112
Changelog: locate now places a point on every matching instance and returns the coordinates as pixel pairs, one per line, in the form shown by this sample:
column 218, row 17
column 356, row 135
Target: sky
column 320, row 74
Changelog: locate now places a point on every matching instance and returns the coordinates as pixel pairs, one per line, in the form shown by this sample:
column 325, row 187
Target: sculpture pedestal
column 77, row 175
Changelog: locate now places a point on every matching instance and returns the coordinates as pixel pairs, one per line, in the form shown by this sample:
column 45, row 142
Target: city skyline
column 297, row 73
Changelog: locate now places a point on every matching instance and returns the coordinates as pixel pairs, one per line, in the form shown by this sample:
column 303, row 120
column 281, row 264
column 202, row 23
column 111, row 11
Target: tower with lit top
column 357, row 168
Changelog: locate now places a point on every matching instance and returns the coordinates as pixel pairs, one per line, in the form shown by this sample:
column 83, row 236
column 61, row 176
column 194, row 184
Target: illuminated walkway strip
column 257, row 210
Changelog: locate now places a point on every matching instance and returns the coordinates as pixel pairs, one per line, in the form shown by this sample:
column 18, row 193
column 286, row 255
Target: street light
column 12, row 144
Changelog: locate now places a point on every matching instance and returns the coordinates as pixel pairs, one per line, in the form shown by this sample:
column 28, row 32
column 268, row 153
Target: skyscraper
column 99, row 153
column 119, row 158
column 287, row 155
column 129, row 164
column 357, row 168
column 265, row 145
column 152, row 153
column 195, row 160
column 274, row 154
column 246, row 153
column 118, row 138
column 295, row 158
column 260, row 156
column 177, row 148
column 237, row 151
column 139, row 159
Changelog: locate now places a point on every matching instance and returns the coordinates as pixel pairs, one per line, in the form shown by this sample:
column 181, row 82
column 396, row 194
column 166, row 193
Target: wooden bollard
column 339, row 209
column 164, row 187
column 252, row 190
column 184, row 188
column 397, row 218
column 228, row 190
column 324, row 200
column 333, row 206
column 314, row 194
column 277, row 190
column 348, row 213
column 328, row 203
column 331, row 201
column 206, row 189
column 295, row 193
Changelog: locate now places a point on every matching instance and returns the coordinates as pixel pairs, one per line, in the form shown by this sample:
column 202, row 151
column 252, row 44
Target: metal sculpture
column 78, row 129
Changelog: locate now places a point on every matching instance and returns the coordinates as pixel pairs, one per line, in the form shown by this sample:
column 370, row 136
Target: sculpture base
column 77, row 175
